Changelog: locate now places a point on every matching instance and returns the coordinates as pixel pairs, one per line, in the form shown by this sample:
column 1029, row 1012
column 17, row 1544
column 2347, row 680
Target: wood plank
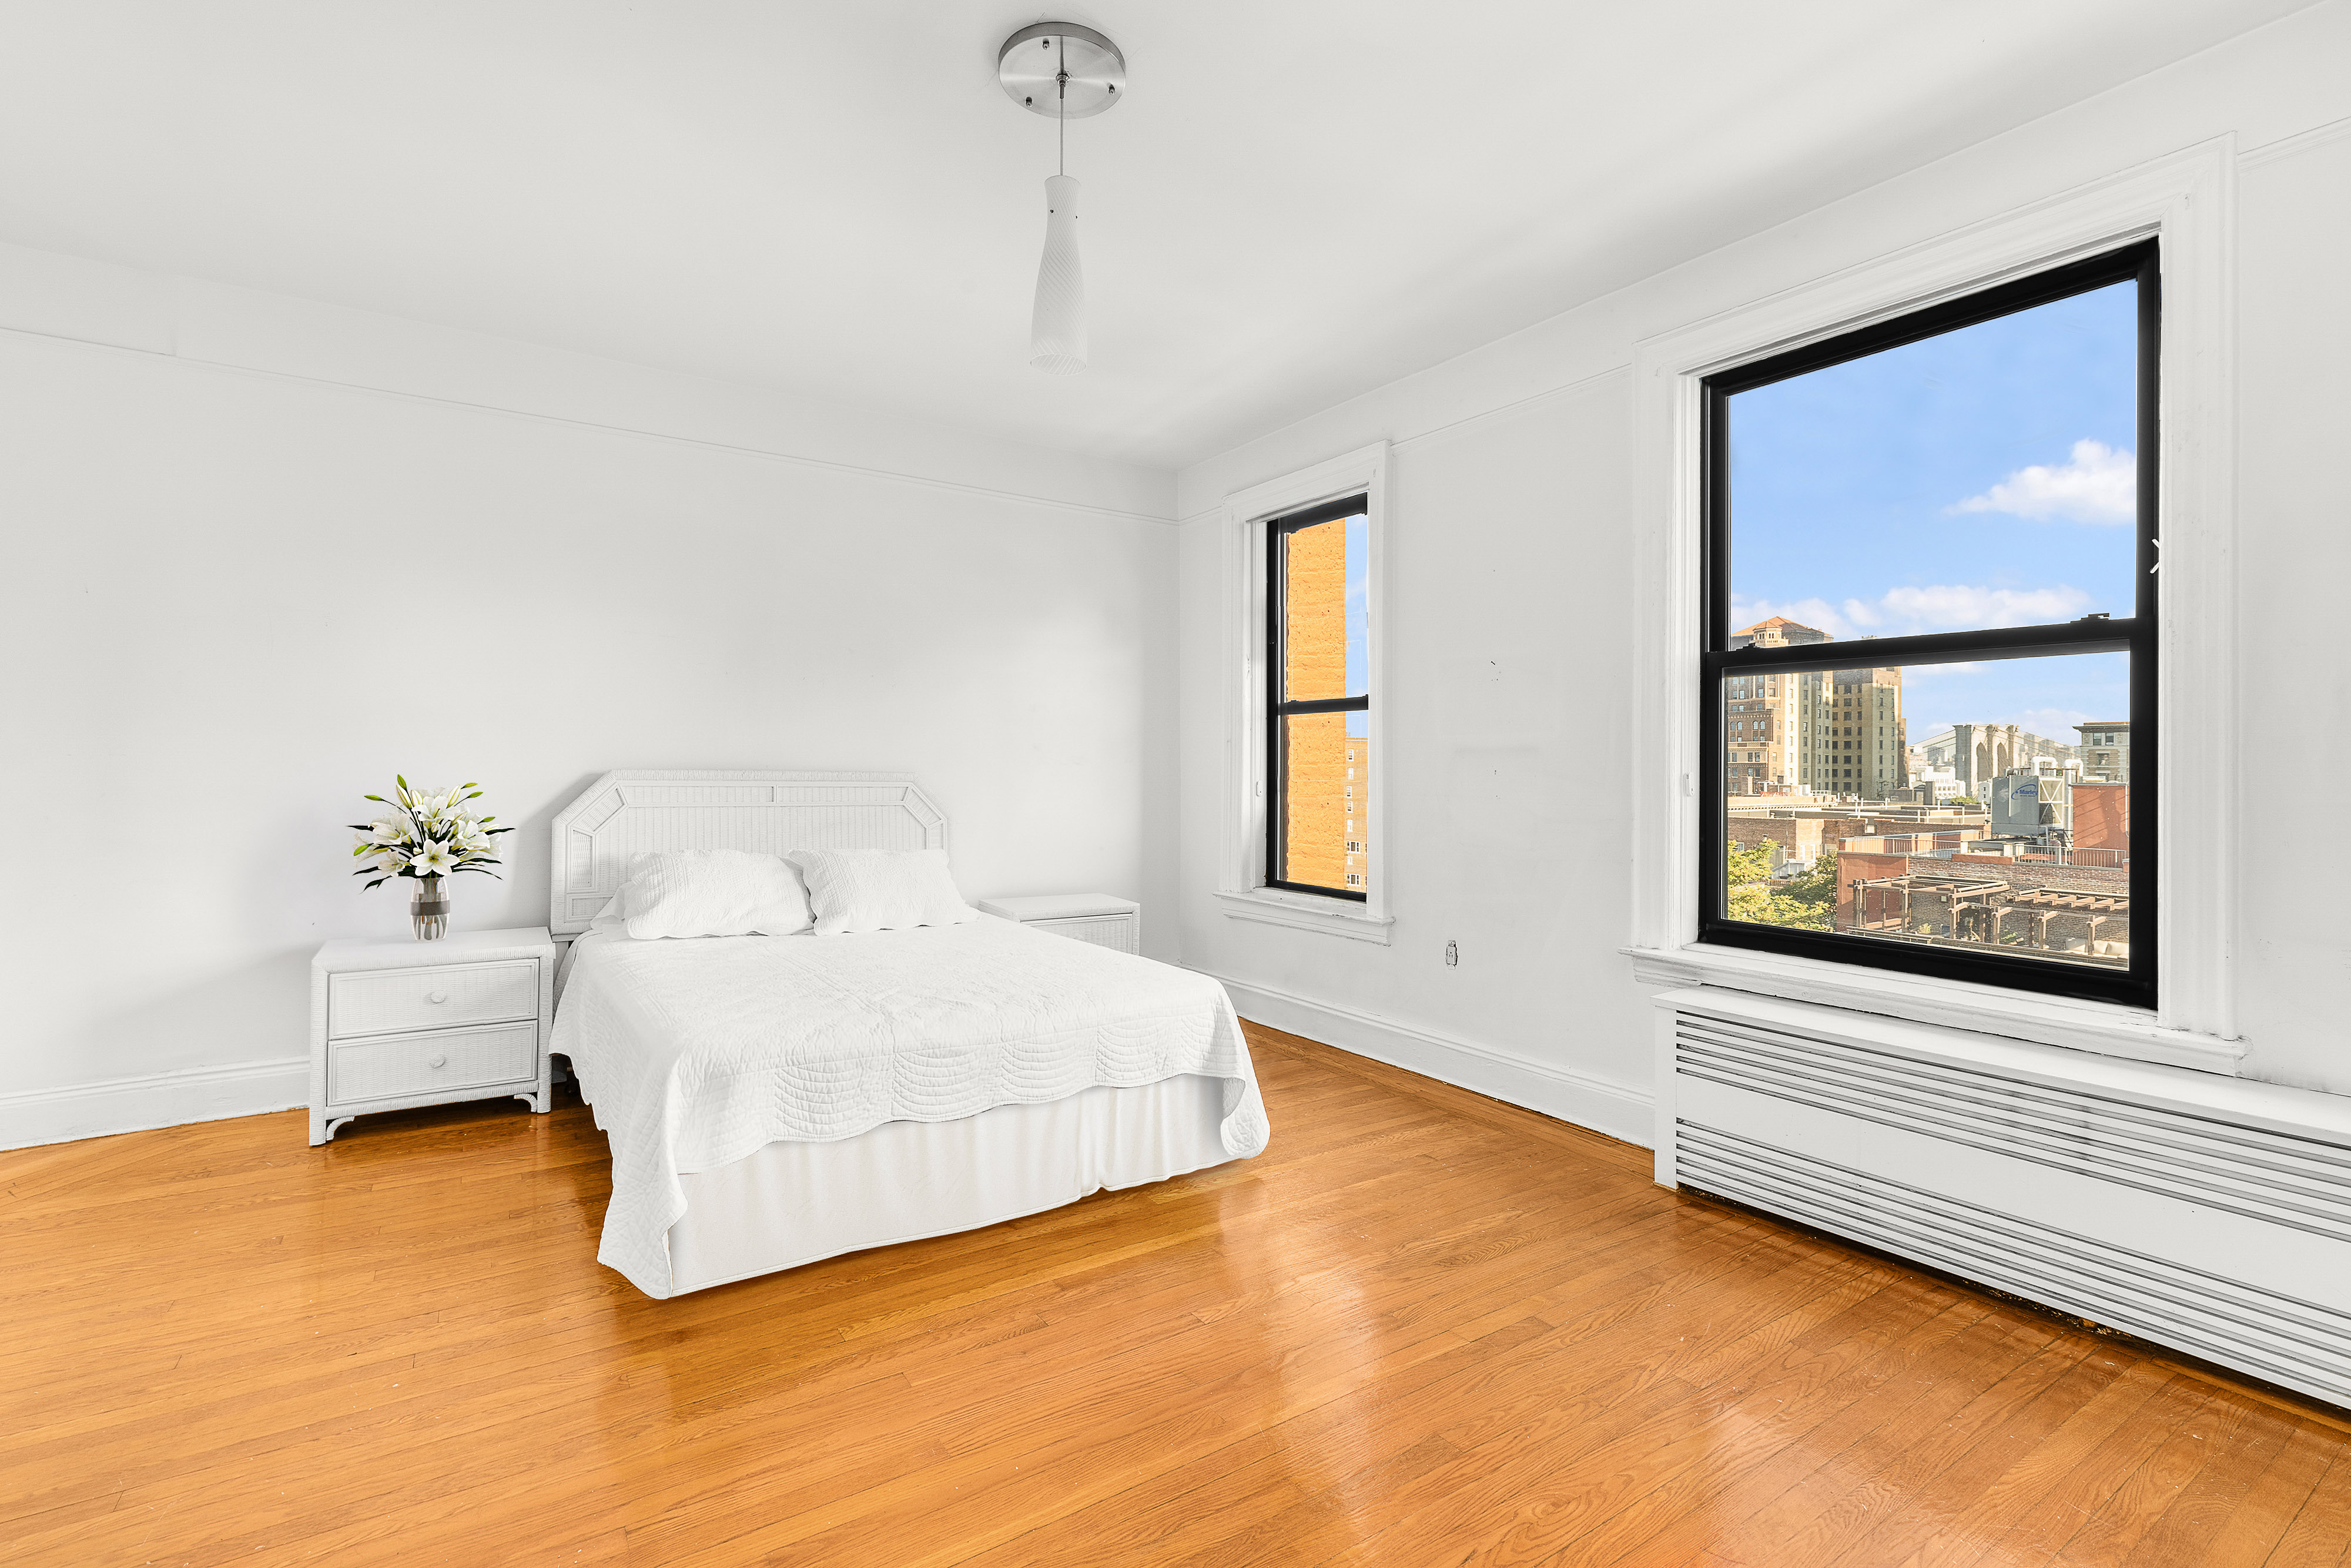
column 1425, row 1327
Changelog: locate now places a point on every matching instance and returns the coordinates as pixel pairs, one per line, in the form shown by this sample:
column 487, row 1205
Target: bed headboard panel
column 626, row 812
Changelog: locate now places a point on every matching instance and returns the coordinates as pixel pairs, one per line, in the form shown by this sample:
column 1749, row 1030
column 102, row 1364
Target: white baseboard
column 1619, row 1110
column 34, row 1116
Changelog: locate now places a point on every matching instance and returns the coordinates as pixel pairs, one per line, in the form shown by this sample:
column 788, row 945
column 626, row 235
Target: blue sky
column 1979, row 479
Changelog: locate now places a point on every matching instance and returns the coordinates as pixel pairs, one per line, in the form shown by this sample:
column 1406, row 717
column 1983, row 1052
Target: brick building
column 1826, row 732
column 1856, row 742
column 2105, row 749
column 1326, row 771
column 2102, row 816
column 1799, row 833
column 1976, row 754
column 1760, row 723
column 2081, row 912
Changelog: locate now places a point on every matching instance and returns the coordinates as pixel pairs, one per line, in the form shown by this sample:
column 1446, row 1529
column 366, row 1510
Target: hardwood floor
column 1423, row 1329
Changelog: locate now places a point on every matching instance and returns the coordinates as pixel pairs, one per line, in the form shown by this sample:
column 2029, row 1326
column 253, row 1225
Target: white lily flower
column 433, row 860
column 396, row 830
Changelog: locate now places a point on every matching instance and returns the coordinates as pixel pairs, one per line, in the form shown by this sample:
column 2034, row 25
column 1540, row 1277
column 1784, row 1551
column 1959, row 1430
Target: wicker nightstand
column 1095, row 918
column 398, row 1024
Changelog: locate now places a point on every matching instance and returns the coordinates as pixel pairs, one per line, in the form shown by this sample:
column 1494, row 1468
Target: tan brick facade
column 1326, row 771
column 1835, row 733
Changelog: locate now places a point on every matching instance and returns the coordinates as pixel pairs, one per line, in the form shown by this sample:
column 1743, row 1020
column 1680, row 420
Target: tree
column 1753, row 897
column 1817, row 888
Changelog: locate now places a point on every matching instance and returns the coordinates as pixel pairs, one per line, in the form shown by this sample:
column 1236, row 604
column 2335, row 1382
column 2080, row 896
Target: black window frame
column 1277, row 532
column 2135, row 636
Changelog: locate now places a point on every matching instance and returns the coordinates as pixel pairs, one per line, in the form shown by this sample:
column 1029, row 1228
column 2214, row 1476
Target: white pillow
column 713, row 893
column 880, row 890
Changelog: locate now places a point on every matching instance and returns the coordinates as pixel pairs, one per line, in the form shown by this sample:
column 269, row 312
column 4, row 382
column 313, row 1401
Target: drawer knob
column 437, row 1059
column 437, row 996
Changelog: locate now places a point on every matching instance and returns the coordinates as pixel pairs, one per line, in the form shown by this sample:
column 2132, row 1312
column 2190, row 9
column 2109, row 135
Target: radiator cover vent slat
column 2263, row 1175
column 2229, row 1240
column 2293, row 1343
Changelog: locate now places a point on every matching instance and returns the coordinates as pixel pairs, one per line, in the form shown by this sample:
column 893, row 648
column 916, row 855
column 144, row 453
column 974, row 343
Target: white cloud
column 2099, row 484
column 1949, row 607
column 1905, row 611
column 2053, row 723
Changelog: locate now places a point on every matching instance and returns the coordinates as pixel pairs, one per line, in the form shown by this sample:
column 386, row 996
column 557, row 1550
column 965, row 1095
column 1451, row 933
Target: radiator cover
column 2200, row 1212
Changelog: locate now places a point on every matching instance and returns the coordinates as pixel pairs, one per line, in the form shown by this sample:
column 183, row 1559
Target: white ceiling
column 1298, row 200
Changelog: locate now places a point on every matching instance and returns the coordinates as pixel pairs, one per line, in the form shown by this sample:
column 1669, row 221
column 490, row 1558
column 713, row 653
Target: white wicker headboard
column 625, row 812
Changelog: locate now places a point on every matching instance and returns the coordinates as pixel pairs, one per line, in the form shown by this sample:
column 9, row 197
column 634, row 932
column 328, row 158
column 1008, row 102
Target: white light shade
column 1057, row 331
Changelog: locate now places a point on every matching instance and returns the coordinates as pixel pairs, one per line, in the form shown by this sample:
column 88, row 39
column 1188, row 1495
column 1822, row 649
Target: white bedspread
column 696, row 1053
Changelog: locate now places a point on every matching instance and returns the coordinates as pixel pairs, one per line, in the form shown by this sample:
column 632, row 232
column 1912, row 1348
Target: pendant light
column 1068, row 72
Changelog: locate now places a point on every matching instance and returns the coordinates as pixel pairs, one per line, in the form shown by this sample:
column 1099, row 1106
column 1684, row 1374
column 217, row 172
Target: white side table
column 1095, row 918
column 398, row 1024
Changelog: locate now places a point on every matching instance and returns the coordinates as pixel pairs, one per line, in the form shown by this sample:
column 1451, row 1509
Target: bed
column 771, row 1101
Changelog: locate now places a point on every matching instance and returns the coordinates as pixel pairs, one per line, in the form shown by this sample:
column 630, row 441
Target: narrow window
column 1319, row 700
column 1941, row 529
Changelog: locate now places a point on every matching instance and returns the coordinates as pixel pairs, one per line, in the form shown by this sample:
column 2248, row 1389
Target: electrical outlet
column 1452, row 953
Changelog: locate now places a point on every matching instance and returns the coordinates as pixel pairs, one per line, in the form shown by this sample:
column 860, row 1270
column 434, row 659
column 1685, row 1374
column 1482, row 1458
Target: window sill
column 2104, row 1028
column 1304, row 912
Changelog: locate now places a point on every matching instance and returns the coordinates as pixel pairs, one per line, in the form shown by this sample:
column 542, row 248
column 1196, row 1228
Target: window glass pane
column 1326, row 797
column 1325, row 574
column 1958, row 805
column 1982, row 478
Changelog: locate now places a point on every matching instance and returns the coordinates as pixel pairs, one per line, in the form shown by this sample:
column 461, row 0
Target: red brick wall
column 2102, row 817
column 1852, row 868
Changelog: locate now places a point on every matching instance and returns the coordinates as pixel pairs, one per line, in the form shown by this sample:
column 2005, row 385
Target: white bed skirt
column 794, row 1203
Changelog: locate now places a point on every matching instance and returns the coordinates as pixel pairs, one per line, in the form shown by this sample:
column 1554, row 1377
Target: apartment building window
column 1938, row 532
column 1318, row 695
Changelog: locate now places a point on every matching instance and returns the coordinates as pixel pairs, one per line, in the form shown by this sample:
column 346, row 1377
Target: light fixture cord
column 1061, row 107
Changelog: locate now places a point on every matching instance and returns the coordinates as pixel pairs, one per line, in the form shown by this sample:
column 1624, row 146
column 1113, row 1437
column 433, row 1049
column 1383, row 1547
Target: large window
column 1318, row 700
column 1930, row 614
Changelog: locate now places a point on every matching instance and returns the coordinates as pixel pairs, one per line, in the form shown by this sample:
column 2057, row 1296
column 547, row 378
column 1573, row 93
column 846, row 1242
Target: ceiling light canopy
column 1067, row 72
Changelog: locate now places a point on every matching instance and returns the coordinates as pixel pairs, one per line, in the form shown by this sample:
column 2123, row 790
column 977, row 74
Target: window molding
column 2185, row 201
column 1275, row 532
column 1241, row 869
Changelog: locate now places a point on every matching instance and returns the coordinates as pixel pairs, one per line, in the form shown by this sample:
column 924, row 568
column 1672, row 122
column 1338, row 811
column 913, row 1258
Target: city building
column 1357, row 863
column 2105, row 749
column 1976, row 754
column 1326, row 772
column 1759, row 733
column 1819, row 732
column 1852, row 743
column 1930, row 788
column 1798, row 833
column 2101, row 817
column 1779, row 633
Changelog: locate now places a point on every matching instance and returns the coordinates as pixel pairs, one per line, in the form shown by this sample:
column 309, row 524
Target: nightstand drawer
column 425, row 1063
column 379, row 1001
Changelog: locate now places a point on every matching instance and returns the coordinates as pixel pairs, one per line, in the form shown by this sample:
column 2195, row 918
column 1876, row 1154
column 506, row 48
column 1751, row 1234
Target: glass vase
column 428, row 909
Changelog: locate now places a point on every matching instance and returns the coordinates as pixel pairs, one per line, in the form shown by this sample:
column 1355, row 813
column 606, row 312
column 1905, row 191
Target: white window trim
column 1241, row 888
column 2187, row 201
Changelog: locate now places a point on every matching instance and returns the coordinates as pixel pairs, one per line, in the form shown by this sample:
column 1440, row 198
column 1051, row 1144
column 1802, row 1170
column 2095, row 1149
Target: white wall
column 1511, row 613
column 244, row 584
